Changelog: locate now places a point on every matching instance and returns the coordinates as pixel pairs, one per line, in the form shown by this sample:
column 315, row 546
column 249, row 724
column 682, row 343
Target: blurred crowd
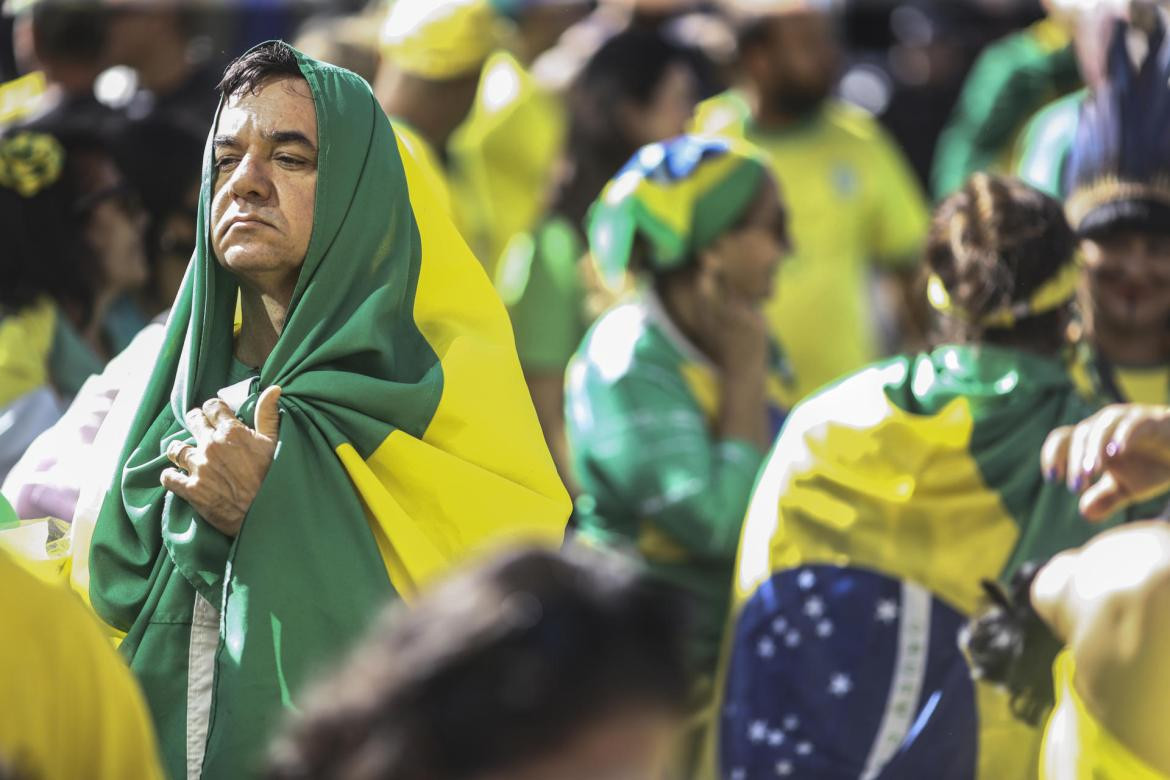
column 591, row 389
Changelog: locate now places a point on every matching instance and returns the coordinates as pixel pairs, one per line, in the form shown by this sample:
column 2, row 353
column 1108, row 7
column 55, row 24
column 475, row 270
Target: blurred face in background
column 667, row 112
column 176, row 244
column 795, row 63
column 135, row 30
column 1128, row 275
column 114, row 226
column 746, row 259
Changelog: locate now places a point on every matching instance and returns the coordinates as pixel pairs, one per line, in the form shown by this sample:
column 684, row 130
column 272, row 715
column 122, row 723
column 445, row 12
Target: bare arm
column 548, row 396
column 1110, row 602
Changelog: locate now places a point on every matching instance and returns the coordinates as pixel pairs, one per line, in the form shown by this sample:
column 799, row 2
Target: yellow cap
column 439, row 39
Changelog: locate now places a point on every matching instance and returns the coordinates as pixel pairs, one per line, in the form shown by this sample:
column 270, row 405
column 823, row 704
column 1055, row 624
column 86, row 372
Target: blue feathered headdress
column 1118, row 174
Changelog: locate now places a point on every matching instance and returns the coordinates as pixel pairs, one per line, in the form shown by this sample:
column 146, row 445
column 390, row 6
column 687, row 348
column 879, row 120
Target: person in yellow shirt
column 70, row 706
column 432, row 54
column 855, row 203
column 504, row 155
column 454, row 81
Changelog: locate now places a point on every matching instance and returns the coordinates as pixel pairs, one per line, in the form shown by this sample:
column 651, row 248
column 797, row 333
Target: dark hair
column 70, row 31
column 45, row 248
column 499, row 665
column 250, row 71
column 628, row 68
column 1009, row 645
column 994, row 243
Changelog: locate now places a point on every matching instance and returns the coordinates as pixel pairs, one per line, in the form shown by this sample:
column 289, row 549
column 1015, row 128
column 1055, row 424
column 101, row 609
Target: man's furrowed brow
column 225, row 141
column 277, row 137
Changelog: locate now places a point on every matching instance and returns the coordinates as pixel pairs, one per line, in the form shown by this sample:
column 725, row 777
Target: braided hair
column 992, row 244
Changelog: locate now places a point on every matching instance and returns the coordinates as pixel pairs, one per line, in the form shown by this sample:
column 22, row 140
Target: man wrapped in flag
column 357, row 428
column 886, row 500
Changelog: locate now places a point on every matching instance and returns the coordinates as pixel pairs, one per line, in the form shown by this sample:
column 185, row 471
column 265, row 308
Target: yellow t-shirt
column 1130, row 384
column 853, row 202
column 1144, row 385
column 1077, row 746
column 70, row 706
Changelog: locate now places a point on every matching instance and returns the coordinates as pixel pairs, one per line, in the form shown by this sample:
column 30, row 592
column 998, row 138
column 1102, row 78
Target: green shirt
column 539, row 279
column 656, row 480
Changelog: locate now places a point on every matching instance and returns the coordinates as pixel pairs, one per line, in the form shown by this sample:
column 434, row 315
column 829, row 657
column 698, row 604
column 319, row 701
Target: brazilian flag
column 886, row 500
column 407, row 443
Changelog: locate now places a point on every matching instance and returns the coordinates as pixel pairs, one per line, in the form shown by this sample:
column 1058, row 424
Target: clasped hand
column 220, row 475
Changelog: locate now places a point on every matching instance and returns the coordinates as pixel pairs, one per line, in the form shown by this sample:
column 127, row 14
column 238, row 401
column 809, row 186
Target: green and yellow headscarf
column 678, row 196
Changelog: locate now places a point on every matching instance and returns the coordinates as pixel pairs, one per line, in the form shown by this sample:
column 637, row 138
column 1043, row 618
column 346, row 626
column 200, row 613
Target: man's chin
column 246, row 261
column 800, row 103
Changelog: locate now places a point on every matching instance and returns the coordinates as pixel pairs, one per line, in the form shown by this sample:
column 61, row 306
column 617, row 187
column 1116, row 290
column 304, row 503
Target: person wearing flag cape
column 336, row 416
column 886, row 500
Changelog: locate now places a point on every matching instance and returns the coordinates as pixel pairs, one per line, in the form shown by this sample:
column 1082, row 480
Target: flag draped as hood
column 407, row 440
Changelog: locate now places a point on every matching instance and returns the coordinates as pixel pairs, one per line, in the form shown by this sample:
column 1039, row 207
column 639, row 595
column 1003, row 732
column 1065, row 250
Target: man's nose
column 250, row 180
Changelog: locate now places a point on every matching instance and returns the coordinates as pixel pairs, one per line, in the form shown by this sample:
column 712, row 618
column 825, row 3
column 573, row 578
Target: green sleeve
column 1046, row 143
column 643, row 448
column 538, row 278
column 1010, row 81
column 71, row 361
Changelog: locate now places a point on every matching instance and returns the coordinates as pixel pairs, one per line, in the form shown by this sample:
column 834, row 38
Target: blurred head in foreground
column 533, row 664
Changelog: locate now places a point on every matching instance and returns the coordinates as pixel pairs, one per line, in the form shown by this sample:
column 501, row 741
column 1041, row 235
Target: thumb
column 268, row 413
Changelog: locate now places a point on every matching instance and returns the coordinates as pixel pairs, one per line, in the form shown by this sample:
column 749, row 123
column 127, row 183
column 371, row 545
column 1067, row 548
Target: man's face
column 1129, row 280
column 265, row 184
column 797, row 68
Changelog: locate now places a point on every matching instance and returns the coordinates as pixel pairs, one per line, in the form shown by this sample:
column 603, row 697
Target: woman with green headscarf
column 675, row 394
column 289, row 469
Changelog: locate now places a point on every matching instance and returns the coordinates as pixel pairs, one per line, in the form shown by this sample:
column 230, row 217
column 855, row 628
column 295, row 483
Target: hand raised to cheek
column 227, row 464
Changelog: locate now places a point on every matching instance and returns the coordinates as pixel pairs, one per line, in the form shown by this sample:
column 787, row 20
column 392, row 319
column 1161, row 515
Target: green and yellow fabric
column 407, row 444
column 886, row 500
column 642, row 400
column 853, row 203
column 1013, row 79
